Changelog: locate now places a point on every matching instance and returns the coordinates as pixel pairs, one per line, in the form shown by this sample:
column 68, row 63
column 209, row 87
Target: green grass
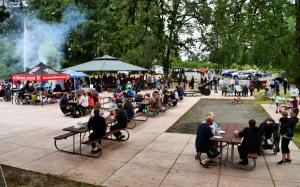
column 22, row 178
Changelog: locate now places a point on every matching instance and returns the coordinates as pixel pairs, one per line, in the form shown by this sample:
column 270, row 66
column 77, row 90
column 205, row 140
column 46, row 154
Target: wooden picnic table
column 229, row 138
column 84, row 128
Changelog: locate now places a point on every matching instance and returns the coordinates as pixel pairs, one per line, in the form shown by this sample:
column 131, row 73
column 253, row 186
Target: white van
column 157, row 69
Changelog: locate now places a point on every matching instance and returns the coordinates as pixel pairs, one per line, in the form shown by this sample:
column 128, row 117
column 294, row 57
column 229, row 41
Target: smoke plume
column 43, row 42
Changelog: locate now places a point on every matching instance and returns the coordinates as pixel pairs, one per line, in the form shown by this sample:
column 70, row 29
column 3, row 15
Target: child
column 277, row 103
column 237, row 100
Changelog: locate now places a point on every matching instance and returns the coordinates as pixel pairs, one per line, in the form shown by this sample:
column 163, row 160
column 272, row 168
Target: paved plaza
column 150, row 157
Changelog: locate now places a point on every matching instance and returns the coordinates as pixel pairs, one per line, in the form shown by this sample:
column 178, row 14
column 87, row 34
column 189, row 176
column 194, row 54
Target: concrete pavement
column 150, row 157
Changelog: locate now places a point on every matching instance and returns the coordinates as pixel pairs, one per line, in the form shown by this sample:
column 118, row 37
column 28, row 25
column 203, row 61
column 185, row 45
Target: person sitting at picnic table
column 129, row 108
column 90, row 100
column 98, row 125
column 63, row 104
column 95, row 95
column 131, row 92
column 204, row 142
column 250, row 143
column 138, row 97
column 122, row 119
column 287, row 131
column 128, row 86
column 34, row 97
column 83, row 102
column 97, row 106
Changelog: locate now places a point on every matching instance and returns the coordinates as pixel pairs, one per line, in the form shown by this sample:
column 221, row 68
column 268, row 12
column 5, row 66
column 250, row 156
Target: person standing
column 192, row 82
column 285, row 84
column 251, row 87
column 215, row 81
column 287, row 132
column 257, row 84
column 277, row 87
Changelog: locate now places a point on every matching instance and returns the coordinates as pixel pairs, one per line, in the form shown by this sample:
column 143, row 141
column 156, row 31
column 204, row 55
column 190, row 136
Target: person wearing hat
column 122, row 119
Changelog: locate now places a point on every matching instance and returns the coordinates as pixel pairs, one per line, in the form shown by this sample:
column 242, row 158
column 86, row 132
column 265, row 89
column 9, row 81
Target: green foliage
column 231, row 34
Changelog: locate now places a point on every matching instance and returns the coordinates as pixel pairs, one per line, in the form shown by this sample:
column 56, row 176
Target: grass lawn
column 16, row 177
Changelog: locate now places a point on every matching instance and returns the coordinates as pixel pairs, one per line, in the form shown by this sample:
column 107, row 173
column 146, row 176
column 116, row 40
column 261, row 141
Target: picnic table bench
column 83, row 130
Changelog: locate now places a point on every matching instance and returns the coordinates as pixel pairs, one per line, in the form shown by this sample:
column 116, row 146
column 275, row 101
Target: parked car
column 228, row 73
column 247, row 74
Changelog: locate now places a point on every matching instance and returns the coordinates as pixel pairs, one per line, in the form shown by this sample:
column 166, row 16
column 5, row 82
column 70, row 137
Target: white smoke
column 43, row 41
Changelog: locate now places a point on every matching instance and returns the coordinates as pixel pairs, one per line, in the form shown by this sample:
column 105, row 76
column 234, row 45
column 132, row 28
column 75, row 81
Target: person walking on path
column 287, row 132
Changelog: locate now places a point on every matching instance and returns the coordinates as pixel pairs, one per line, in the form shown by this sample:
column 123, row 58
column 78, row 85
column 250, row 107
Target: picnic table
column 229, row 138
column 72, row 131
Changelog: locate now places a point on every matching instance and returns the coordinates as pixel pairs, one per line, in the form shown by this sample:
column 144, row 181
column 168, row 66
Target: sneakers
column 96, row 149
column 288, row 160
column 119, row 138
column 244, row 162
column 281, row 162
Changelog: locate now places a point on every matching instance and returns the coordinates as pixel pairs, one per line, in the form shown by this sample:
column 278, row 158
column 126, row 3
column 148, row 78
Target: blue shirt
column 203, row 142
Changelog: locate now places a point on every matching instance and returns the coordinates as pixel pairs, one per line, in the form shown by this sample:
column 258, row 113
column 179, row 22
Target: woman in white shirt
column 83, row 103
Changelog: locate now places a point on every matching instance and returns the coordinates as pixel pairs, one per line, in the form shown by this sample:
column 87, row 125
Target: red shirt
column 91, row 101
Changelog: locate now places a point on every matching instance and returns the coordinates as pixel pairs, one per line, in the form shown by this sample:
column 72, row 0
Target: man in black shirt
column 98, row 125
column 250, row 143
column 122, row 120
column 204, row 141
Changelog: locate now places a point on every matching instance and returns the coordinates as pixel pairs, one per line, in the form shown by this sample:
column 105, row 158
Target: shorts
column 277, row 104
column 212, row 153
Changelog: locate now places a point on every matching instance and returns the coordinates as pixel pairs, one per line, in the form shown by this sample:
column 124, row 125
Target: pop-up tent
column 106, row 64
column 40, row 72
column 75, row 74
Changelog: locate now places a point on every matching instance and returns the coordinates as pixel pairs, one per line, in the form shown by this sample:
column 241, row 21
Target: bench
column 106, row 137
column 252, row 156
column 64, row 136
column 89, row 142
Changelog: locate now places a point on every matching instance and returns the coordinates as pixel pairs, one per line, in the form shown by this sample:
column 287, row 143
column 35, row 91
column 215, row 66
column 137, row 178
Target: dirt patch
column 224, row 111
column 16, row 177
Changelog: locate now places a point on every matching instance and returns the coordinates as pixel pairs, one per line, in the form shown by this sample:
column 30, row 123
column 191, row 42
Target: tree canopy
column 147, row 32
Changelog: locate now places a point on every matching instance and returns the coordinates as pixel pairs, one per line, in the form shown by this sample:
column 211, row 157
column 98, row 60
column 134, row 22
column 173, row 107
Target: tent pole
column 42, row 98
column 74, row 88
column 100, row 82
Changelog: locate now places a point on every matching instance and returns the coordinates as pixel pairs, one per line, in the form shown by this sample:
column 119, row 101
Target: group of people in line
column 206, row 141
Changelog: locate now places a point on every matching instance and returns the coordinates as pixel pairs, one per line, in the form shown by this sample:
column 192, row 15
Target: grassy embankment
column 22, row 178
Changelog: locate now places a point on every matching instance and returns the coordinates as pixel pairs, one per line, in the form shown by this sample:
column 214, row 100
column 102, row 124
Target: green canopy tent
column 105, row 64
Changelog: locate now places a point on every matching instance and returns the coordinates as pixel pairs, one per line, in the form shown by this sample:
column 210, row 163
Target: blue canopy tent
column 75, row 75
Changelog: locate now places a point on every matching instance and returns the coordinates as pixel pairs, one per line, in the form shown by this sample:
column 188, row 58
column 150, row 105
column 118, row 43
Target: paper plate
column 218, row 137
